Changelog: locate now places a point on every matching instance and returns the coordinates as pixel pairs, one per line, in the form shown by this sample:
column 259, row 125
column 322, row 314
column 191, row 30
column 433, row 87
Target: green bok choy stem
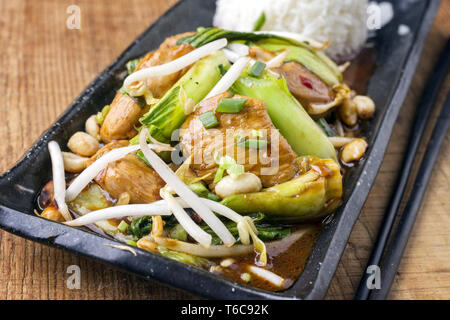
column 295, row 125
column 169, row 113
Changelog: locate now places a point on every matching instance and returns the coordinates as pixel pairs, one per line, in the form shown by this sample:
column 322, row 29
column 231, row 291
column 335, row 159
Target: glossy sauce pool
column 287, row 262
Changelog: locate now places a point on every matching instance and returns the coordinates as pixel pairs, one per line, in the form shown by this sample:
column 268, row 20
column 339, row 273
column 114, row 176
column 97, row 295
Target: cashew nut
column 51, row 213
column 245, row 183
column 74, row 163
column 348, row 113
column 354, row 150
column 92, row 127
column 83, row 144
column 364, row 106
column 227, row 262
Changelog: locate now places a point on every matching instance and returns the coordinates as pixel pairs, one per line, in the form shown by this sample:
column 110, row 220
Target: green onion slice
column 219, row 175
column 253, row 143
column 123, row 226
column 235, row 171
column 209, row 120
column 231, row 105
column 222, row 69
column 259, row 22
column 229, row 164
column 131, row 65
column 257, row 69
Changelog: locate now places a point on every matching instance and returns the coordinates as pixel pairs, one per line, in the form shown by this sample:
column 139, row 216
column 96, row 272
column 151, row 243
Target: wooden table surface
column 44, row 66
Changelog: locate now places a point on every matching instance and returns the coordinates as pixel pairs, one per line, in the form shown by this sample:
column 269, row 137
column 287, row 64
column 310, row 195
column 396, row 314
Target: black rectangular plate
column 397, row 58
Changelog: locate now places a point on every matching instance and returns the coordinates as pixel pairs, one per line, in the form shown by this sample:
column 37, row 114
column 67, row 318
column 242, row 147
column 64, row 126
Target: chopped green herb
column 259, row 22
column 131, row 65
column 209, row 120
column 222, row 69
column 219, row 175
column 257, row 69
column 229, row 164
column 236, row 170
column 123, row 226
column 231, row 105
column 225, row 162
column 141, row 227
column 253, row 143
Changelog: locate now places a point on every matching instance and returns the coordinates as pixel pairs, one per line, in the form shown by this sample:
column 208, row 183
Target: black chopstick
column 391, row 259
column 423, row 112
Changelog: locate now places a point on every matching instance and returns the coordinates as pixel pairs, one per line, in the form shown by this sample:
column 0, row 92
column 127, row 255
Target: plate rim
column 227, row 288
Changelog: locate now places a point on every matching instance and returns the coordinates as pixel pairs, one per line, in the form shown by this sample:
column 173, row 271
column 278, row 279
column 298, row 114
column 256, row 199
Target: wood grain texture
column 44, row 66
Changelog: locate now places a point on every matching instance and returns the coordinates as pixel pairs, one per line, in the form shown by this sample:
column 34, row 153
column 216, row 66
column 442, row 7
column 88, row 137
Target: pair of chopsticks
column 388, row 258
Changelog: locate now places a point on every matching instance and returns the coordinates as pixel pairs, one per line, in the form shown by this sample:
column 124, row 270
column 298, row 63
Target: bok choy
column 314, row 194
column 206, row 35
column 169, row 113
column 300, row 51
column 302, row 133
column 309, row 59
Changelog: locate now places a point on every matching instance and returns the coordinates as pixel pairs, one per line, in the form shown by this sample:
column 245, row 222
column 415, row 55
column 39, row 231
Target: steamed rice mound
column 343, row 22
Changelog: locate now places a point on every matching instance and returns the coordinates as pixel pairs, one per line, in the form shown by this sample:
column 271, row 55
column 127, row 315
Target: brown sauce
column 287, row 262
column 360, row 70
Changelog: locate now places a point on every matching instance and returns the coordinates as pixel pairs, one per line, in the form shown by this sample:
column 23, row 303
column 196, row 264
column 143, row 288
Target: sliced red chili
column 306, row 82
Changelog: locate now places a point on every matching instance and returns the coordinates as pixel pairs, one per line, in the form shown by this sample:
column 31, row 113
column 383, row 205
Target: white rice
column 343, row 22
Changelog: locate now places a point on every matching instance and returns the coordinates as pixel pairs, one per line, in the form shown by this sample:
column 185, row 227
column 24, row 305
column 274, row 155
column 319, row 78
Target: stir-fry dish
column 224, row 150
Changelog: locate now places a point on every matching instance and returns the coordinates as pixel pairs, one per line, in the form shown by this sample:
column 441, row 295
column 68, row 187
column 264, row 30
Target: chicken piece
column 261, row 54
column 303, row 84
column 172, row 41
column 130, row 175
column 124, row 111
column 306, row 86
column 119, row 123
column 203, row 143
column 168, row 51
